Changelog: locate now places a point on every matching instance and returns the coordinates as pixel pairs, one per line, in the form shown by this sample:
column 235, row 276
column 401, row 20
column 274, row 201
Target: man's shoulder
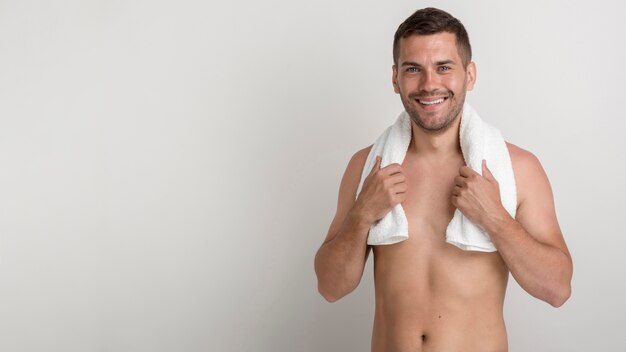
column 522, row 159
column 527, row 170
column 361, row 155
column 357, row 162
column 352, row 175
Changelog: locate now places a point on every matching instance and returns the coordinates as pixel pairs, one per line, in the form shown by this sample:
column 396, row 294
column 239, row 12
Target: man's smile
column 431, row 103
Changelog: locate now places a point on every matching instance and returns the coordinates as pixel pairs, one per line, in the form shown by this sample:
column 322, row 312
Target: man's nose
column 430, row 81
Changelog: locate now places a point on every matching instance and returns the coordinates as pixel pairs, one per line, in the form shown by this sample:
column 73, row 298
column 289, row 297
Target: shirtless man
column 431, row 295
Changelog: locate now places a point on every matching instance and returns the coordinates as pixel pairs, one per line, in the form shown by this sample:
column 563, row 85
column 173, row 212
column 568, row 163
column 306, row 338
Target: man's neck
column 435, row 146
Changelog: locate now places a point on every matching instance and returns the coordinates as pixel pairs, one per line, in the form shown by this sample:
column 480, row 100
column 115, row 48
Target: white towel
column 479, row 141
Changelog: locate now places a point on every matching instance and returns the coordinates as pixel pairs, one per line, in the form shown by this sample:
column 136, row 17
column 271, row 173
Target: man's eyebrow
column 444, row 62
column 438, row 63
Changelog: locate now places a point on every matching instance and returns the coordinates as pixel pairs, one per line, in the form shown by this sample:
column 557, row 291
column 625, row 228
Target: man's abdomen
column 431, row 296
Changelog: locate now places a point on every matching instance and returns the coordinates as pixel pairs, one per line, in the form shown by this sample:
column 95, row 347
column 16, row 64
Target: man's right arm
column 340, row 261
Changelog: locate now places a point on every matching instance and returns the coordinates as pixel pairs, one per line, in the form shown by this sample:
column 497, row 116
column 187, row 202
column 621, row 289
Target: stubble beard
column 456, row 107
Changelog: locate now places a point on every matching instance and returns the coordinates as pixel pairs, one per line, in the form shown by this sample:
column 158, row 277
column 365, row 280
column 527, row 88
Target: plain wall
column 169, row 169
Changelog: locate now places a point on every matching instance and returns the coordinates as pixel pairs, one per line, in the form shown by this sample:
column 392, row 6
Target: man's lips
column 431, row 101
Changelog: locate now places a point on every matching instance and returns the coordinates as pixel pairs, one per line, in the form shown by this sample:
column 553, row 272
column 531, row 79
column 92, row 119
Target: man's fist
column 382, row 190
column 476, row 196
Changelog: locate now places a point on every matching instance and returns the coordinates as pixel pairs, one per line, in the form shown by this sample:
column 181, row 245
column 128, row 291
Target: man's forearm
column 340, row 261
column 543, row 271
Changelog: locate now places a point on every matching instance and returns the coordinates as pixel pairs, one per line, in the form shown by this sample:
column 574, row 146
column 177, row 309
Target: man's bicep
column 536, row 212
column 347, row 190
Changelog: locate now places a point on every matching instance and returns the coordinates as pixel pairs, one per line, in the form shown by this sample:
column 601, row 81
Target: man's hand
column 382, row 190
column 476, row 196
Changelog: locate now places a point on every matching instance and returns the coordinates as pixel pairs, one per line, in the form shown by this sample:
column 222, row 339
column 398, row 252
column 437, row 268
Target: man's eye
column 412, row 69
column 444, row 68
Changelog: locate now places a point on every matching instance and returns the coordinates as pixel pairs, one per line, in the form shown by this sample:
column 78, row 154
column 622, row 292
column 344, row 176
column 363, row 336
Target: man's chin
column 434, row 129
column 431, row 124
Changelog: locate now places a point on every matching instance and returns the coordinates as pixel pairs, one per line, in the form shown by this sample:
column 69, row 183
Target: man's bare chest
column 428, row 203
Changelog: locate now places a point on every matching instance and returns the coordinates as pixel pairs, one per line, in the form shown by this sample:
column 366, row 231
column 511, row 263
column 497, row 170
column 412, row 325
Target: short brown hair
column 432, row 21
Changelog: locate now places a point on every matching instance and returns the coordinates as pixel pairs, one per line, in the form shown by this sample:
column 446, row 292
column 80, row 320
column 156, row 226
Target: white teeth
column 438, row 101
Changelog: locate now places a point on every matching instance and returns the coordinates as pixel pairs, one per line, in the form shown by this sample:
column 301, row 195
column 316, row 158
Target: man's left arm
column 531, row 245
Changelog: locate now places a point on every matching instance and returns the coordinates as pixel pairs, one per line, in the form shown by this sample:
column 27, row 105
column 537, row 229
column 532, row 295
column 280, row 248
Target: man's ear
column 470, row 71
column 394, row 79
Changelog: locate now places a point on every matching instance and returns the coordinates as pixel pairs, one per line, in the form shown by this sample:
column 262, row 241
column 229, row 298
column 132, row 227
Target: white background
column 169, row 169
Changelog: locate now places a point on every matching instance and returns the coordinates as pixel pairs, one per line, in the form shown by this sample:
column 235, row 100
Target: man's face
column 431, row 80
